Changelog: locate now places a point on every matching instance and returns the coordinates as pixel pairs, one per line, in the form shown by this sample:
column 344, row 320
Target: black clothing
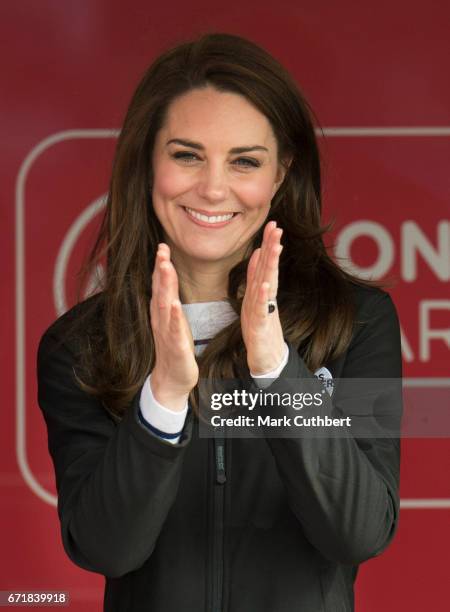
column 284, row 532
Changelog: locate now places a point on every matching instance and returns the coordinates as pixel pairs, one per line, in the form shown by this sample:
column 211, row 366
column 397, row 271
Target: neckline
column 203, row 303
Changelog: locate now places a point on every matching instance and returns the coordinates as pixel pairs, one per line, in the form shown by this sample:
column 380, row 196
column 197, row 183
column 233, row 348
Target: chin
column 208, row 254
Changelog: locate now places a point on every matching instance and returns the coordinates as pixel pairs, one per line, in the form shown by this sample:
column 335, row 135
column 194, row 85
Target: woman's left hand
column 261, row 330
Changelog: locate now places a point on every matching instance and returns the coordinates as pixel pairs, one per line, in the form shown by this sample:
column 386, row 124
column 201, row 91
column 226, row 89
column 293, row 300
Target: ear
column 283, row 168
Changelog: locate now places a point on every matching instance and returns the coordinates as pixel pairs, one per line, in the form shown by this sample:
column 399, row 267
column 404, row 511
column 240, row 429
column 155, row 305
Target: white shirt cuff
column 158, row 416
column 260, row 378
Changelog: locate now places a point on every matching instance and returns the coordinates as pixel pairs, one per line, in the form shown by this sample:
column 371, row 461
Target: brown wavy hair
column 314, row 298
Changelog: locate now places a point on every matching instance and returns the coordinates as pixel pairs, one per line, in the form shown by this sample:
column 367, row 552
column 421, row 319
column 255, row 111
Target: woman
column 216, row 166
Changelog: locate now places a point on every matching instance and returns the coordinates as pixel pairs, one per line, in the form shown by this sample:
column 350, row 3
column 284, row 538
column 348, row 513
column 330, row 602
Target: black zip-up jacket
column 280, row 525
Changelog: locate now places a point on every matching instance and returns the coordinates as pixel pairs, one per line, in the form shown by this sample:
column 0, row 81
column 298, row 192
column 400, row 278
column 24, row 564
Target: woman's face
column 215, row 170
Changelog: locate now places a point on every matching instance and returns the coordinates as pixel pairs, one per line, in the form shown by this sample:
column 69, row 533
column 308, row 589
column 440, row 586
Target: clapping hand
column 176, row 370
column 261, row 330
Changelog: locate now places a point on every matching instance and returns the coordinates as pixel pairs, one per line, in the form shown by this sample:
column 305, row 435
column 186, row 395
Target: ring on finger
column 271, row 306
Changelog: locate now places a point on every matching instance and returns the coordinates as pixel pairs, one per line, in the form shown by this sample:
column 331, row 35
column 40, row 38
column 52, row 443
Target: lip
column 215, row 213
column 205, row 223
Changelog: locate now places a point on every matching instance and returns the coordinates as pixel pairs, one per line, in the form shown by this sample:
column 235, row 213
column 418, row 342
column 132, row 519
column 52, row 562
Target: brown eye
column 185, row 155
column 247, row 162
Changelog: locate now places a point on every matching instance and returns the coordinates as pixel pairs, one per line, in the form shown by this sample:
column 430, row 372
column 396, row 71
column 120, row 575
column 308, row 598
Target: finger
column 174, row 293
column 251, row 288
column 162, row 254
column 274, row 251
column 163, row 295
column 272, row 270
column 262, row 260
column 261, row 303
column 163, row 246
column 268, row 230
column 251, row 268
column 154, row 315
column 176, row 326
column 168, row 293
column 259, row 273
column 267, row 271
column 271, row 249
column 175, row 317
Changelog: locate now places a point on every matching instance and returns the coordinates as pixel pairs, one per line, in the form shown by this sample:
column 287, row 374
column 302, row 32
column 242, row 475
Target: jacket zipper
column 218, row 520
column 219, row 454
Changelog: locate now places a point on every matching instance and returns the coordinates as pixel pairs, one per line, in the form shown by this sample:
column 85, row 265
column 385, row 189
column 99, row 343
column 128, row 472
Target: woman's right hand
column 176, row 370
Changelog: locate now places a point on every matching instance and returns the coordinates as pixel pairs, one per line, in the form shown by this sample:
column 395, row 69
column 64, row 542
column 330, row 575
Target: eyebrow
column 200, row 147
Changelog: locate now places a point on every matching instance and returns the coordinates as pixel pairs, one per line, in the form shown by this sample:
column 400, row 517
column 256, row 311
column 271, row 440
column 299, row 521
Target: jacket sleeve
column 116, row 482
column 344, row 489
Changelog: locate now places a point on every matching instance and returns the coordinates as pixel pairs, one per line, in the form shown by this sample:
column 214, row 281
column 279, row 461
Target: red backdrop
column 375, row 73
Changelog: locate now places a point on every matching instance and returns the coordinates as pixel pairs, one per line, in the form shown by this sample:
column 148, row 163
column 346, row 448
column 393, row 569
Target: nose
column 212, row 183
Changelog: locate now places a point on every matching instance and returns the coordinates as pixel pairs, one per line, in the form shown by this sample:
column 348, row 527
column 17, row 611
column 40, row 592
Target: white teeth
column 215, row 219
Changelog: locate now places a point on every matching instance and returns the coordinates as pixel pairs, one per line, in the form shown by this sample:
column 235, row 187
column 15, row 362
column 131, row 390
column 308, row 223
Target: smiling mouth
column 209, row 219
